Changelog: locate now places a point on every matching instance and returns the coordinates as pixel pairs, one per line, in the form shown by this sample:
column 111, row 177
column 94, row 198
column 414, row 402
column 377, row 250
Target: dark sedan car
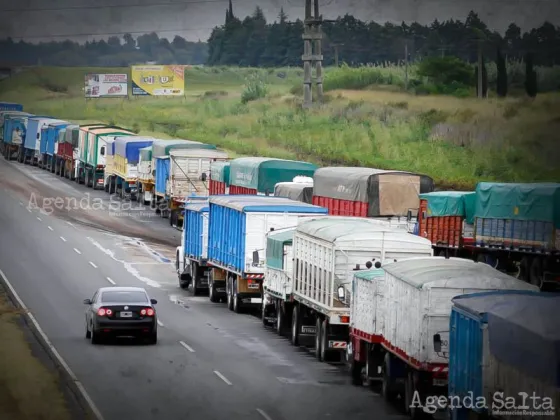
column 121, row 311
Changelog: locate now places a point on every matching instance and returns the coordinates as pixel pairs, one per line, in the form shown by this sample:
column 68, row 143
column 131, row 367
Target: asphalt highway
column 208, row 364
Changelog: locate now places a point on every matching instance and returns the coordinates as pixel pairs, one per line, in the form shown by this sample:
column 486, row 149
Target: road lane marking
column 20, row 203
column 50, row 228
column 222, row 377
column 39, row 219
column 77, row 251
column 29, row 210
column 262, row 413
column 111, row 281
column 63, row 239
column 185, row 345
column 160, row 323
column 53, row 350
column 92, row 264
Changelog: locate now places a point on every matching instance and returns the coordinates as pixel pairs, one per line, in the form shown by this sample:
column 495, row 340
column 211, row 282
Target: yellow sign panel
column 158, row 80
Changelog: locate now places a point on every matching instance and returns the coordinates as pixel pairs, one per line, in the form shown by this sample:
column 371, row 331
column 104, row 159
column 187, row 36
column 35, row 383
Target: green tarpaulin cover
column 450, row 203
column 538, row 202
column 275, row 247
column 219, row 171
column 146, row 154
column 163, row 147
column 263, row 174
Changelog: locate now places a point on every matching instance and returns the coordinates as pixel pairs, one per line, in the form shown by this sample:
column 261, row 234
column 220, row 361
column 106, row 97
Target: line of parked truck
column 358, row 264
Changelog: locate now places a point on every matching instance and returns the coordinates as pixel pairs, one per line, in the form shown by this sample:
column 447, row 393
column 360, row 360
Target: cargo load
column 127, row 155
column 145, row 165
column 443, row 216
column 13, row 135
column 368, row 192
column 518, row 216
column 67, row 152
column 506, row 342
column 299, row 190
column 34, row 142
column 219, row 178
column 259, row 175
column 279, row 263
column 164, row 147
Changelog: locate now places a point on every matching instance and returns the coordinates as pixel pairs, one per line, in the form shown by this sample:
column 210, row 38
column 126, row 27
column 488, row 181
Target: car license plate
column 126, row 314
column 439, row 382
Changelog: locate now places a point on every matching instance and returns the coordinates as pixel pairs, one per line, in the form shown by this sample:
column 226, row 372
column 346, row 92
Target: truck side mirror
column 437, row 343
column 102, row 151
column 203, row 177
column 255, row 257
column 341, row 292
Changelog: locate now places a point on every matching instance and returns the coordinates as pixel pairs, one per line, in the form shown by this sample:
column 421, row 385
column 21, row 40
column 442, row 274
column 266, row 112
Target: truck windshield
column 123, row 297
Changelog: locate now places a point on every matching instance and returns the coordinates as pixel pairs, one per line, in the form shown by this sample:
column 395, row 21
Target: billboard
column 158, row 80
column 106, row 85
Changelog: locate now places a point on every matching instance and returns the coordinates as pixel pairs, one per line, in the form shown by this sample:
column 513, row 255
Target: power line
column 109, row 33
column 114, row 6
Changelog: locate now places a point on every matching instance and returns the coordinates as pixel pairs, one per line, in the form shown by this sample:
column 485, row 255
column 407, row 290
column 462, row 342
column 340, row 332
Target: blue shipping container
column 15, row 126
column 129, row 147
column 33, row 134
column 196, row 230
column 531, row 346
column 162, row 173
column 227, row 231
column 52, row 135
column 9, row 106
column 44, row 140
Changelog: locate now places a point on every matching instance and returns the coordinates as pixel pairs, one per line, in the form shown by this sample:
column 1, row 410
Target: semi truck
column 300, row 189
column 184, row 173
column 401, row 323
column 14, row 129
column 219, row 178
column 373, row 193
column 147, row 172
column 34, row 145
column 91, row 166
column 236, row 243
column 327, row 251
column 125, row 166
column 259, row 175
column 511, row 226
column 505, row 343
column 67, row 152
column 52, row 130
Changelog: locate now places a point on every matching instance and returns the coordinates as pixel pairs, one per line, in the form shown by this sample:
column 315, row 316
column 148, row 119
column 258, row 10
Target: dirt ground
column 29, row 388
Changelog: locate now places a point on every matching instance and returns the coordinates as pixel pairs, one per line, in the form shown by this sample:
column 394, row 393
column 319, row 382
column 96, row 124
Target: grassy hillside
column 457, row 141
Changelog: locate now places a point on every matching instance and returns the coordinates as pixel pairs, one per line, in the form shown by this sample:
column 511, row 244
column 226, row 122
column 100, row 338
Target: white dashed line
column 39, row 219
column 20, row 203
column 29, row 210
column 189, row 348
column 222, row 377
column 160, row 323
column 63, row 239
column 262, row 413
column 50, row 228
column 77, row 251
column 111, row 281
column 92, row 264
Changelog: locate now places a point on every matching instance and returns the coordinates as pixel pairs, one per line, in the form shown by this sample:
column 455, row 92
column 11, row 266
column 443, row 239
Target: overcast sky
column 41, row 20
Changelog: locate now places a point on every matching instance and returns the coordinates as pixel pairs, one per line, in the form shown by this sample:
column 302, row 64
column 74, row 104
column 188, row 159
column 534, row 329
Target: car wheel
column 95, row 339
column 88, row 333
column 153, row 338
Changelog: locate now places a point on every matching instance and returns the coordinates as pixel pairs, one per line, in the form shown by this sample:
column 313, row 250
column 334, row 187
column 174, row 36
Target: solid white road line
column 77, row 251
column 160, row 323
column 50, row 228
column 262, row 413
column 39, row 219
column 185, row 345
column 222, row 377
column 111, row 281
column 59, row 358
column 92, row 264
column 63, row 239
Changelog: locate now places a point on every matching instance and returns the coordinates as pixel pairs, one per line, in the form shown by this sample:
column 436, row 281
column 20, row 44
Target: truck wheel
column 356, row 372
column 387, row 388
column 280, row 315
column 212, row 292
column 229, row 294
column 536, row 273
column 195, row 279
column 325, row 340
column 295, row 326
column 237, row 308
column 263, row 314
column 318, row 340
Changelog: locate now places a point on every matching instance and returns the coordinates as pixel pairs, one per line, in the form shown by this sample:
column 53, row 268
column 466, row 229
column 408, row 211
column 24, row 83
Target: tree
column 501, row 79
column 445, row 70
column 530, row 76
column 484, row 79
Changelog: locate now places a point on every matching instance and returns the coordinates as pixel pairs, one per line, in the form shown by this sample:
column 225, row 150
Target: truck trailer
column 148, row 172
column 184, row 173
column 125, row 167
column 400, row 334
column 219, row 178
column 48, row 160
column 300, row 189
column 145, row 176
column 67, row 152
column 236, row 242
column 327, row 252
column 373, row 193
column 505, row 343
column 14, row 129
column 35, row 142
column 259, row 175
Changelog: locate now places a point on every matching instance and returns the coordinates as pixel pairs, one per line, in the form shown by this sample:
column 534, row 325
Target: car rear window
column 123, row 296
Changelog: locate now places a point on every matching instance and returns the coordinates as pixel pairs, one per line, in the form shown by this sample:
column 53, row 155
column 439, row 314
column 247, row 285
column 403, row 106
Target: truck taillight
column 344, row 319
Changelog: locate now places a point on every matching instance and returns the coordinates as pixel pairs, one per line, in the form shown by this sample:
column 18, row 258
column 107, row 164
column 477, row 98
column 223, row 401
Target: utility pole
column 312, row 53
column 405, row 65
column 480, row 70
column 335, row 46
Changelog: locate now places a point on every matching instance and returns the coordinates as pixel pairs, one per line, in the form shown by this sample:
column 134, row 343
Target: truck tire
column 280, row 317
column 229, row 287
column 237, row 307
column 325, row 340
column 212, row 292
column 536, row 273
column 387, row 388
column 295, row 326
column 356, row 372
column 195, row 279
column 318, row 340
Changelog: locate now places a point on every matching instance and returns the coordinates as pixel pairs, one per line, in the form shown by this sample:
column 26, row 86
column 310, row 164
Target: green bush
column 255, row 88
column 445, row 70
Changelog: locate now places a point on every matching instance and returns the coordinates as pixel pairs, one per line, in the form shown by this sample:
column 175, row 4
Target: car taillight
column 147, row 312
column 104, row 311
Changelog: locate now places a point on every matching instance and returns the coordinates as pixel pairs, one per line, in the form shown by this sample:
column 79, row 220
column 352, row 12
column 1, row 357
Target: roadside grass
column 457, row 141
column 28, row 390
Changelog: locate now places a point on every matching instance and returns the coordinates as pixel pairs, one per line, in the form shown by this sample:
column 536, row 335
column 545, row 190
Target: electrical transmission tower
column 312, row 54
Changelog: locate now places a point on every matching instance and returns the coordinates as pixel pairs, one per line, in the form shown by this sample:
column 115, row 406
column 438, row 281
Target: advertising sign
column 158, row 80
column 106, row 85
